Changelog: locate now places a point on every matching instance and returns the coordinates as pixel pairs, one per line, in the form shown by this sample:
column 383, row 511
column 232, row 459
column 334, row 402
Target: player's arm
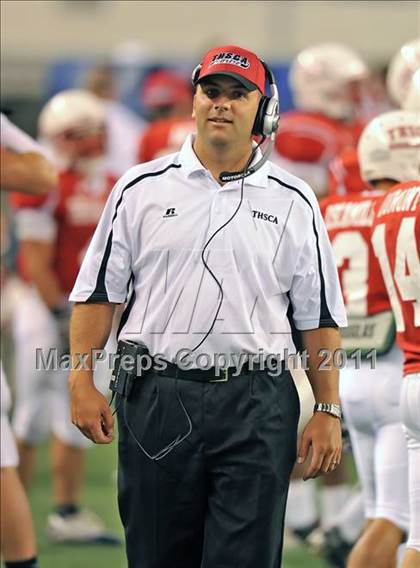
column 90, row 326
column 38, row 261
column 323, row 431
column 24, row 167
column 28, row 172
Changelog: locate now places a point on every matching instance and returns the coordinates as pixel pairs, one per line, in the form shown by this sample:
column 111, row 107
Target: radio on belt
column 122, row 379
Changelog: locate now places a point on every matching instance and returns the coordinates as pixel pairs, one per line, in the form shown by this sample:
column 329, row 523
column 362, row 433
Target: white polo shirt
column 273, row 260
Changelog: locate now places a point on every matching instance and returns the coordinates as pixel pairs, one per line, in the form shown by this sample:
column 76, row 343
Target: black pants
column 217, row 500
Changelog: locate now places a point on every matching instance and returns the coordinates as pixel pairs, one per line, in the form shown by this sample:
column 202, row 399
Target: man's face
column 224, row 110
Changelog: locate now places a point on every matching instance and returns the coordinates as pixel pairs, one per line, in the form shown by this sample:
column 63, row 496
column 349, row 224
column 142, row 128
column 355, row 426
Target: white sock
column 352, row 517
column 301, row 504
column 333, row 499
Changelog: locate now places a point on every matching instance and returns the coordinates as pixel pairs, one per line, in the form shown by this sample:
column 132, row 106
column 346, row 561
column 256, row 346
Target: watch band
column 333, row 409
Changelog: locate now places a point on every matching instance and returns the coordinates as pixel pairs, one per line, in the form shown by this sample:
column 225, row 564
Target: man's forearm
column 321, row 372
column 90, row 326
column 28, row 172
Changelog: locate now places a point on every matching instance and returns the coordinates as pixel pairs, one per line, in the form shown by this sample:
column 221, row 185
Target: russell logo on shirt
column 170, row 212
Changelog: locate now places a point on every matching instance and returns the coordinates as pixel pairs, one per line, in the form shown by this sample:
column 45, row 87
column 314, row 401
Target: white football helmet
column 389, row 147
column 401, row 69
column 71, row 110
column 319, row 77
column 412, row 100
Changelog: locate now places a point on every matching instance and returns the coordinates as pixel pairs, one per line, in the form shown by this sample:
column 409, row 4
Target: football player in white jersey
column 23, row 168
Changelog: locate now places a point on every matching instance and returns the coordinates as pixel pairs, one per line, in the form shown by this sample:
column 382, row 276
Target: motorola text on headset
column 265, row 124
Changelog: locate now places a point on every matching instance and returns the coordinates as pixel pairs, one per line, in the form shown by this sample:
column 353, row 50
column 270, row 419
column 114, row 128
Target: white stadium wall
column 275, row 29
column 35, row 33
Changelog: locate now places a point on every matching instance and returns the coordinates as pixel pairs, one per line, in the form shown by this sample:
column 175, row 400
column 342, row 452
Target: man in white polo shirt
column 219, row 278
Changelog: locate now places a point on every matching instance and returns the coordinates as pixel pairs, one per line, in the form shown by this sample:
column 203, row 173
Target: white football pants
column 410, row 409
column 8, row 451
column 371, row 405
column 42, row 400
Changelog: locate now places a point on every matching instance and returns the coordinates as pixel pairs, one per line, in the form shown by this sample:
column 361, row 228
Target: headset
column 266, row 123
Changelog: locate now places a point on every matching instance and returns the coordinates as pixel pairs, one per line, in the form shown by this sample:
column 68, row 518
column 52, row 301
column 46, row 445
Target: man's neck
column 222, row 159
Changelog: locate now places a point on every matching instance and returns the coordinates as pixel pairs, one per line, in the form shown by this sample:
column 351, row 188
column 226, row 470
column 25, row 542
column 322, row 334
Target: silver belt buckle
column 224, row 378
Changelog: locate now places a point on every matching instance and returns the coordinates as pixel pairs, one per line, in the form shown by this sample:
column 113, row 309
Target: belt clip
column 224, row 379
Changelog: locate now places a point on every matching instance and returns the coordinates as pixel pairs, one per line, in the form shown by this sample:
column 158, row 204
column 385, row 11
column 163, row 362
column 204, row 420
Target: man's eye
column 211, row 93
column 238, row 94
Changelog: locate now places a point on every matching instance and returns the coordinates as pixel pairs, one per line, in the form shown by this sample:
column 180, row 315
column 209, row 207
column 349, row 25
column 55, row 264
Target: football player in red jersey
column 164, row 137
column 54, row 231
column 389, row 153
column 167, row 97
column 344, row 174
column 325, row 81
column 403, row 82
column 369, row 388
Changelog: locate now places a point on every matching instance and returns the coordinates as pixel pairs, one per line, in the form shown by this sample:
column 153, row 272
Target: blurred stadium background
column 50, row 45
column 47, row 46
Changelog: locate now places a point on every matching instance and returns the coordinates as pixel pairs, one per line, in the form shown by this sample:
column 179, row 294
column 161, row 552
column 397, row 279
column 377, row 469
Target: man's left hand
column 323, row 434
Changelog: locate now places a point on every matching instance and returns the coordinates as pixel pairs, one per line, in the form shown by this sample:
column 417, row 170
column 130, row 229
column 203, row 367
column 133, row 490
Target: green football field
column 100, row 495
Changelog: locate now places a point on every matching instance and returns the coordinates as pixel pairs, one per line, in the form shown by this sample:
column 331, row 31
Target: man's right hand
column 90, row 411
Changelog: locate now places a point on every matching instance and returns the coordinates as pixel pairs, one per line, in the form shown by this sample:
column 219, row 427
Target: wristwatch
column 333, row 409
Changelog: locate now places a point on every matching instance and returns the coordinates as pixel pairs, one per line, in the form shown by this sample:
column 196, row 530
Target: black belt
column 122, row 380
column 214, row 375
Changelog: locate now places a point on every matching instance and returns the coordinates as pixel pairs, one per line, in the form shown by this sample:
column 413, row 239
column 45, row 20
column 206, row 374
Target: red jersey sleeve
column 164, row 137
column 344, row 174
column 25, row 201
column 308, row 137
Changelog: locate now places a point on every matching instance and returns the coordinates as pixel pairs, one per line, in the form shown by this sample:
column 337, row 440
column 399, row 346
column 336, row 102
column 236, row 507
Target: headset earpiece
column 267, row 118
column 258, row 127
column 195, row 74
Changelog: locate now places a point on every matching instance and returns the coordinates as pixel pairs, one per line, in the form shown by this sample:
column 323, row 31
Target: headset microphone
column 234, row 176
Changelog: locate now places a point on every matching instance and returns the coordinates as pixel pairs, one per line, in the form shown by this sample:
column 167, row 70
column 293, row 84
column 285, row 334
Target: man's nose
column 222, row 102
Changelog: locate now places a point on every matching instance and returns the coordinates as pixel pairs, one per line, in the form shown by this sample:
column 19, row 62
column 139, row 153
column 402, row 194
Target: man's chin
column 219, row 140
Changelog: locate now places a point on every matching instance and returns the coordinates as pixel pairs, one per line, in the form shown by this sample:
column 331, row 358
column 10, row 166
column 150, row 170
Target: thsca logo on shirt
column 264, row 216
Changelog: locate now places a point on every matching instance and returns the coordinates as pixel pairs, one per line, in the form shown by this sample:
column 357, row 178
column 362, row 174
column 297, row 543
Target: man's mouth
column 220, row 120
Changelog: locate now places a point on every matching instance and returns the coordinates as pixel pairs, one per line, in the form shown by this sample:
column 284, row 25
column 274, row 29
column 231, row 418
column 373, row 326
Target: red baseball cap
column 164, row 88
column 236, row 62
